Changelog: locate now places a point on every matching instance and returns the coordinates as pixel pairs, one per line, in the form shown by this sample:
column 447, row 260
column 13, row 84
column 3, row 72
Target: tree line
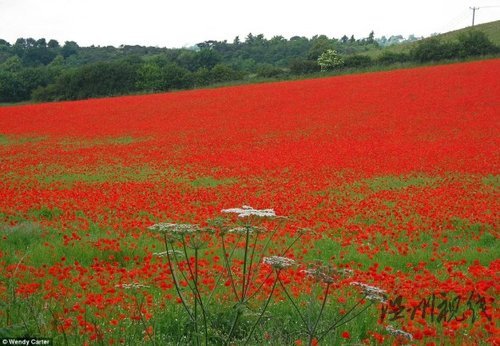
column 42, row 70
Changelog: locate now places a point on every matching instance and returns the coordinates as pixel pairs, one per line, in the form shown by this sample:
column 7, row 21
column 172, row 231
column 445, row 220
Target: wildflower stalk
column 194, row 289
column 228, row 266
column 292, row 301
column 265, row 307
column 312, row 331
column 233, row 326
column 57, row 323
column 143, row 320
column 250, row 267
column 245, row 255
column 271, row 273
column 203, row 312
column 174, row 278
column 337, row 323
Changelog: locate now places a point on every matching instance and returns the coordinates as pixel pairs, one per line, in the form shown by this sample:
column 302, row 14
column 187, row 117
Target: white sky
column 187, row 22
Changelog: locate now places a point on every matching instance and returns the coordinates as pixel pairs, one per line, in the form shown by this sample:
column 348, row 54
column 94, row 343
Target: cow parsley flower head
column 246, row 211
column 244, row 230
column 371, row 292
column 399, row 333
column 134, row 285
column 326, row 273
column 278, row 262
column 168, row 253
column 174, row 228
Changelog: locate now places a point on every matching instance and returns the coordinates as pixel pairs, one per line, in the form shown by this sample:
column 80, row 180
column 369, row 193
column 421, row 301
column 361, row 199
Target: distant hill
column 491, row 29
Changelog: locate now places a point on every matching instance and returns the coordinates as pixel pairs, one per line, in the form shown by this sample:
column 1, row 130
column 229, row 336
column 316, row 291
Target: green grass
column 71, row 143
column 492, row 30
column 492, row 180
column 11, row 140
column 4, row 140
column 462, row 243
column 117, row 173
column 383, row 183
column 211, row 182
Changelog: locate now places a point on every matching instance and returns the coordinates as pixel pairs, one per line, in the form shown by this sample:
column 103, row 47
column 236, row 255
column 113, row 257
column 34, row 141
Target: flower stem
column 265, row 307
column 313, row 330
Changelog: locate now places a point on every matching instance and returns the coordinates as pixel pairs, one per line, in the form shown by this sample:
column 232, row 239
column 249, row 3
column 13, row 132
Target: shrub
column 303, row 66
column 475, row 43
column 357, row 61
column 388, row 58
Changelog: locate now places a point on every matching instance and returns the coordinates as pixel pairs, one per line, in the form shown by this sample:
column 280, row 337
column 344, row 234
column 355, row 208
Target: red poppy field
column 393, row 176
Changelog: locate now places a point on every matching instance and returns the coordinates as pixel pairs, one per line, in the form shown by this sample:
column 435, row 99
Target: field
column 391, row 177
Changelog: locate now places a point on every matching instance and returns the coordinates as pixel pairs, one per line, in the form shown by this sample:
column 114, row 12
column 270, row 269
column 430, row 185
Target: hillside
column 491, row 29
column 41, row 70
column 392, row 175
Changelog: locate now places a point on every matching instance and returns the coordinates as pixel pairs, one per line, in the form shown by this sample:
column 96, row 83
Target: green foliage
column 46, row 71
column 330, row 60
column 99, row 79
column 303, row 66
column 159, row 74
column 269, row 71
column 433, row 50
column 223, row 73
column 475, row 43
column 471, row 43
column 388, row 58
column 357, row 61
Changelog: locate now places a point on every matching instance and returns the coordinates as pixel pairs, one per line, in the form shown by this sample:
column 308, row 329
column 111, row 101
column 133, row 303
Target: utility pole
column 473, row 13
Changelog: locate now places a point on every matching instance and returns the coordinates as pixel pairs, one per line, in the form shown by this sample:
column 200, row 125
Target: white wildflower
column 244, row 230
column 246, row 211
column 174, row 228
column 168, row 253
column 134, row 285
column 372, row 292
column 326, row 273
column 318, row 274
column 399, row 333
column 278, row 262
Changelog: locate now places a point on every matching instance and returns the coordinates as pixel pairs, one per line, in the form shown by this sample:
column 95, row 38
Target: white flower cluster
column 164, row 227
column 318, row 274
column 134, row 285
column 244, row 230
column 399, row 333
column 246, row 211
column 278, row 262
column 372, row 292
column 168, row 253
column 326, row 273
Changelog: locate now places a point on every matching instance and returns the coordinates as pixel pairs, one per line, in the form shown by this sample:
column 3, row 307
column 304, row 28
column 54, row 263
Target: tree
column 53, row 44
column 69, row 48
column 329, row 60
column 371, row 38
column 475, row 43
column 223, row 73
column 300, row 66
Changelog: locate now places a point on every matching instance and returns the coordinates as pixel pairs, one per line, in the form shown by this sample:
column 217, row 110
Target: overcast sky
column 180, row 23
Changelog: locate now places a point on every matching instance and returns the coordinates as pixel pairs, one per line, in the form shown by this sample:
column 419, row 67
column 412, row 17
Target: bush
column 93, row 80
column 303, row 66
column 475, row 43
column 434, row 49
column 388, row 58
column 160, row 76
column 330, row 60
column 269, row 71
column 357, row 61
column 221, row 73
